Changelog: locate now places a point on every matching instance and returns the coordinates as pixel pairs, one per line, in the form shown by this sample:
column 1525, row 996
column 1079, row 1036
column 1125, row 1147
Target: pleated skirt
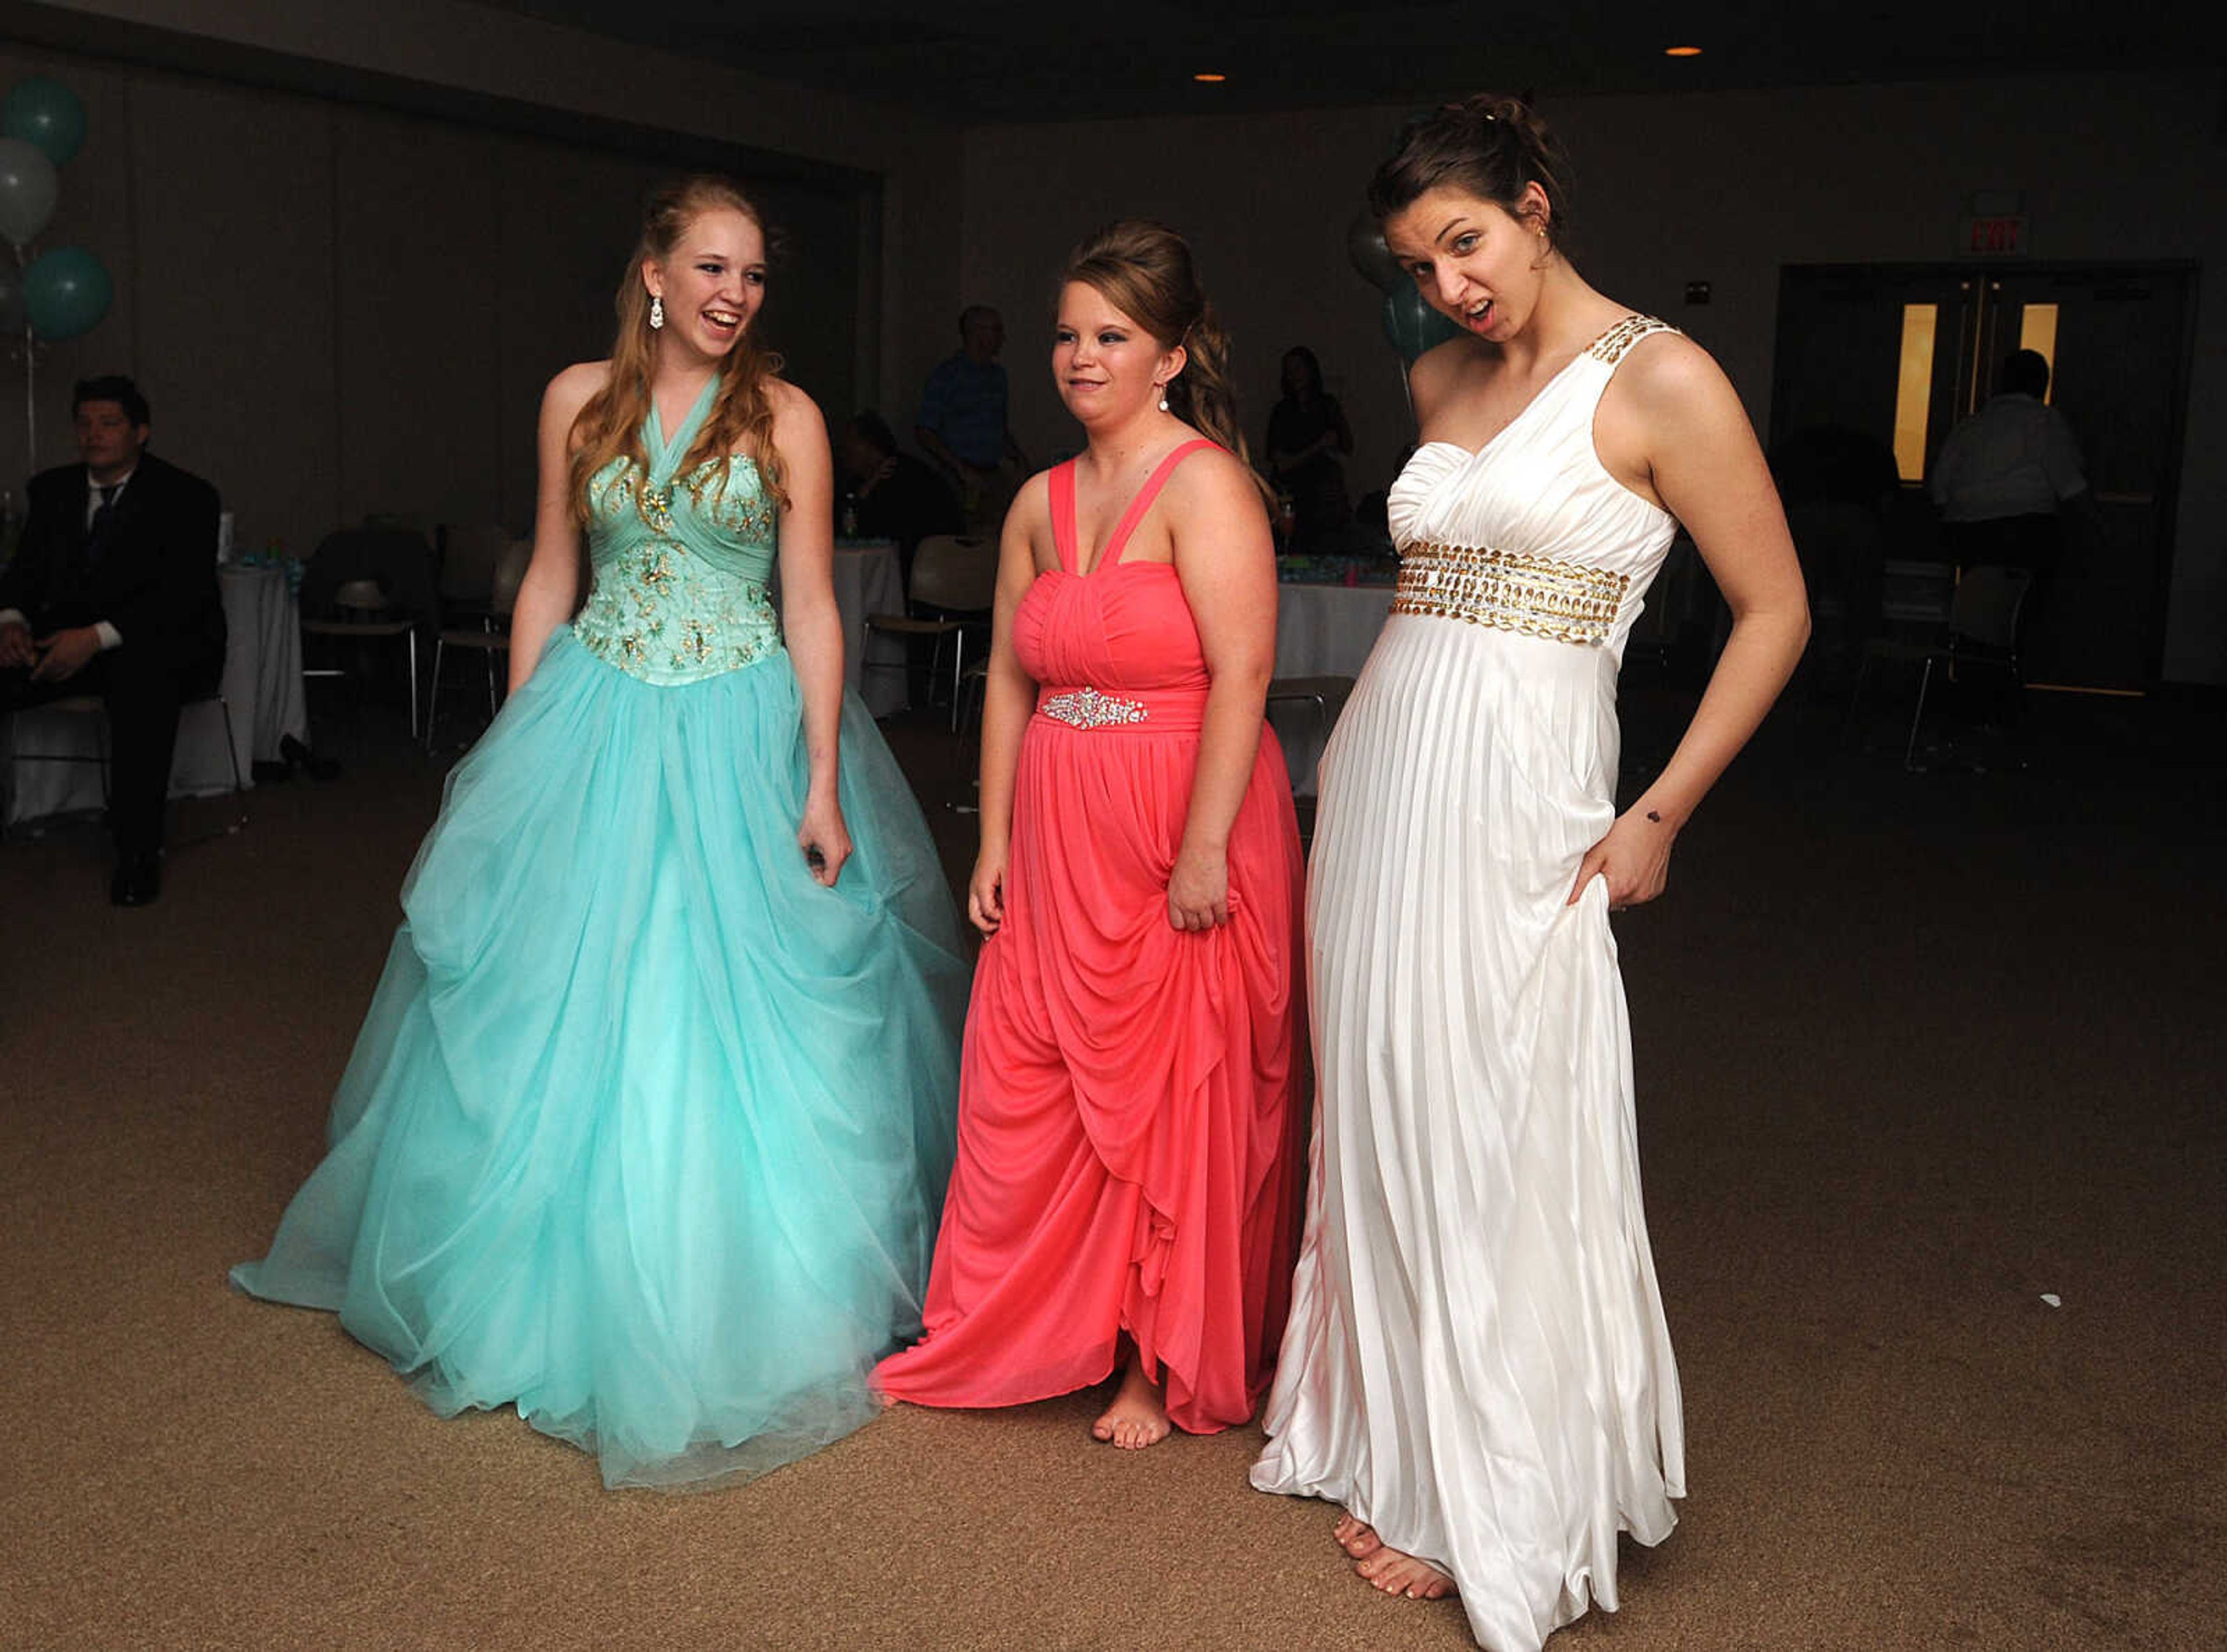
column 1476, row 1361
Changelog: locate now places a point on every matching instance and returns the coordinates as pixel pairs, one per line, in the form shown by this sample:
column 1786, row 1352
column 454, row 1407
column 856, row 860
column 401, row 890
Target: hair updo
column 1491, row 146
column 1144, row 269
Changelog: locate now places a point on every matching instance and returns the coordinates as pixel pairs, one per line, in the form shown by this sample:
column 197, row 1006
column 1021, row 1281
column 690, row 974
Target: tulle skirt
column 647, row 1131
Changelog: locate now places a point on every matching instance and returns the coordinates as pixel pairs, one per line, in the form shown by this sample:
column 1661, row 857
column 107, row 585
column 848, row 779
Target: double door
column 1899, row 353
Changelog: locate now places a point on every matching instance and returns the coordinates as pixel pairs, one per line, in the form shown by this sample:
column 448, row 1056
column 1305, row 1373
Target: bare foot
column 1403, row 1574
column 1357, row 1537
column 1136, row 1419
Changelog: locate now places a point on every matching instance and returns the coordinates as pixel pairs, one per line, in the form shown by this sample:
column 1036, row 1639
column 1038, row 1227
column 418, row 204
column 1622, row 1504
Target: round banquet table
column 868, row 580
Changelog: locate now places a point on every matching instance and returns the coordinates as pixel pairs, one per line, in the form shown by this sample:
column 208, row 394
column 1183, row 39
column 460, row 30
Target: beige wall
column 339, row 307
column 412, row 281
column 1725, row 188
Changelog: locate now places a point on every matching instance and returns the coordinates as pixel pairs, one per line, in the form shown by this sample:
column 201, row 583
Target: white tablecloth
column 1321, row 631
column 262, row 687
column 868, row 580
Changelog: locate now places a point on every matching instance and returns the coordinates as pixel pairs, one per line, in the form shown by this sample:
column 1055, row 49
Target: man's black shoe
column 298, row 755
column 139, row 878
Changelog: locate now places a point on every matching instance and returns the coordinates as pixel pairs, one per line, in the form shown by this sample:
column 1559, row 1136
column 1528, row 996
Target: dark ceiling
column 986, row 63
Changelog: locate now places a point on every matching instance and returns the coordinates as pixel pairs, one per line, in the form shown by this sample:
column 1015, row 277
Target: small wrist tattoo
column 1653, row 816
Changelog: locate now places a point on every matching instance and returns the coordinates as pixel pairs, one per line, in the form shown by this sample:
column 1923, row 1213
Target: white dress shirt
column 2014, row 457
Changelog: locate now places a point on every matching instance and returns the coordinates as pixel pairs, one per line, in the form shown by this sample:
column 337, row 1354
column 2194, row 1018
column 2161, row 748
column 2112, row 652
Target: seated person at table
column 114, row 593
column 2009, row 475
column 895, row 495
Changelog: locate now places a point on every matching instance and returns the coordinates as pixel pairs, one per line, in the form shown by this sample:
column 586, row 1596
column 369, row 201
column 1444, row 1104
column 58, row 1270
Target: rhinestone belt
column 1086, row 708
column 1565, row 601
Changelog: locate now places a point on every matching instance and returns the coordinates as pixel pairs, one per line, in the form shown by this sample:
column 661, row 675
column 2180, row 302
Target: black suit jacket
column 157, row 579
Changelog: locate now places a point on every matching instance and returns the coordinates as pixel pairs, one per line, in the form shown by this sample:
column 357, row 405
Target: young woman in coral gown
column 1126, row 1192
column 1477, row 1365
column 647, row 1129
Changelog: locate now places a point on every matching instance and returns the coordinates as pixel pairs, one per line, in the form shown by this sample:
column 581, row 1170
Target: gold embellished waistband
column 1540, row 597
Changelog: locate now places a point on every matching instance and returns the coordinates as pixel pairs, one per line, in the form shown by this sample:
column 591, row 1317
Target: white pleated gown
column 1477, row 1362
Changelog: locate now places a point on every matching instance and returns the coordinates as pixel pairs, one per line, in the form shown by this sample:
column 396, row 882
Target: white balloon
column 28, row 187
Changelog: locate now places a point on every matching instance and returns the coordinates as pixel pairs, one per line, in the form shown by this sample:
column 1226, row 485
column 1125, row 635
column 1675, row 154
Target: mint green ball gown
column 647, row 1131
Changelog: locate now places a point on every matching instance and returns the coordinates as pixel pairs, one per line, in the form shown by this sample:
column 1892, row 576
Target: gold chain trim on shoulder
column 1609, row 348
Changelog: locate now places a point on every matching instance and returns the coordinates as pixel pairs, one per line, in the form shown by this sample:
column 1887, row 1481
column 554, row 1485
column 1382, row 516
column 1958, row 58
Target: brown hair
column 1144, row 269
column 1493, row 147
column 609, row 424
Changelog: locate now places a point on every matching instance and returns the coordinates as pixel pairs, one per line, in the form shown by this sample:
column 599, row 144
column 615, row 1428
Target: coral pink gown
column 1127, row 1152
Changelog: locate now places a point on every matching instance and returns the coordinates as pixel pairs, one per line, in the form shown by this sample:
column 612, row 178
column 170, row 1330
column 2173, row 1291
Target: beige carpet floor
column 1914, row 1050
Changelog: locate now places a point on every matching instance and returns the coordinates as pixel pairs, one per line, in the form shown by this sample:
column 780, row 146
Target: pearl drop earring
column 1164, row 398
column 657, row 312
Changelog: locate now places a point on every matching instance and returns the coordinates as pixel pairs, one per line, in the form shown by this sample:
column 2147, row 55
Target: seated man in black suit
column 114, row 593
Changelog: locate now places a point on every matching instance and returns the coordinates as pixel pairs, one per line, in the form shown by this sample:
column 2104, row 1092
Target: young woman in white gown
column 1477, row 1365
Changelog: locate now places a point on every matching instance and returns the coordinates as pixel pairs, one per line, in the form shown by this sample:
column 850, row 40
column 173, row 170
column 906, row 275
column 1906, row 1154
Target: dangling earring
column 1164, row 398
column 657, row 312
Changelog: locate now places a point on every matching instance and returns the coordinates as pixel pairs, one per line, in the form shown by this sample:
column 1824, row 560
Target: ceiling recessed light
column 1682, row 51
column 1209, row 78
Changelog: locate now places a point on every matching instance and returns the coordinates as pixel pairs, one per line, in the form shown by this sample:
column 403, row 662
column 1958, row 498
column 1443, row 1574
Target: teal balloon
column 66, row 292
column 45, row 112
column 28, row 188
column 1371, row 259
column 1412, row 325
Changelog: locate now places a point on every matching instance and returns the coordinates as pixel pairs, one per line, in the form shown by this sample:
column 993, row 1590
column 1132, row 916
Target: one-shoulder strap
column 1063, row 515
column 1610, row 347
column 1141, row 503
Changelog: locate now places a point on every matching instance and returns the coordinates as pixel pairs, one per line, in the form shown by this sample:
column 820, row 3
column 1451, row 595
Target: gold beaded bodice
column 681, row 562
column 1530, row 533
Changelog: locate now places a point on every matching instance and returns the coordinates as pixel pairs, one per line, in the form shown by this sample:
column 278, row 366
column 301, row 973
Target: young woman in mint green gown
column 648, row 1129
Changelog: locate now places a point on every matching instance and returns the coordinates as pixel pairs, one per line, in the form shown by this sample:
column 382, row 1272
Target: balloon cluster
column 64, row 291
column 1410, row 322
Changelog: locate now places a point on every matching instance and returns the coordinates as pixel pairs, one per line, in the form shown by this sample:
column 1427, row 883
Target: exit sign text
column 1999, row 235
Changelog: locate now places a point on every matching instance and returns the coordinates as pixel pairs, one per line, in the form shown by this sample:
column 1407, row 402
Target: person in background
column 2008, row 476
column 892, row 496
column 1307, row 435
column 112, row 591
column 962, row 422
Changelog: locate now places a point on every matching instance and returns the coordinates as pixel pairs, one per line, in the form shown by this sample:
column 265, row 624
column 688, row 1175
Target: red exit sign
column 1997, row 236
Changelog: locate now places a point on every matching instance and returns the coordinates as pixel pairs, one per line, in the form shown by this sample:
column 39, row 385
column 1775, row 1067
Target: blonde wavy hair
column 610, row 423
